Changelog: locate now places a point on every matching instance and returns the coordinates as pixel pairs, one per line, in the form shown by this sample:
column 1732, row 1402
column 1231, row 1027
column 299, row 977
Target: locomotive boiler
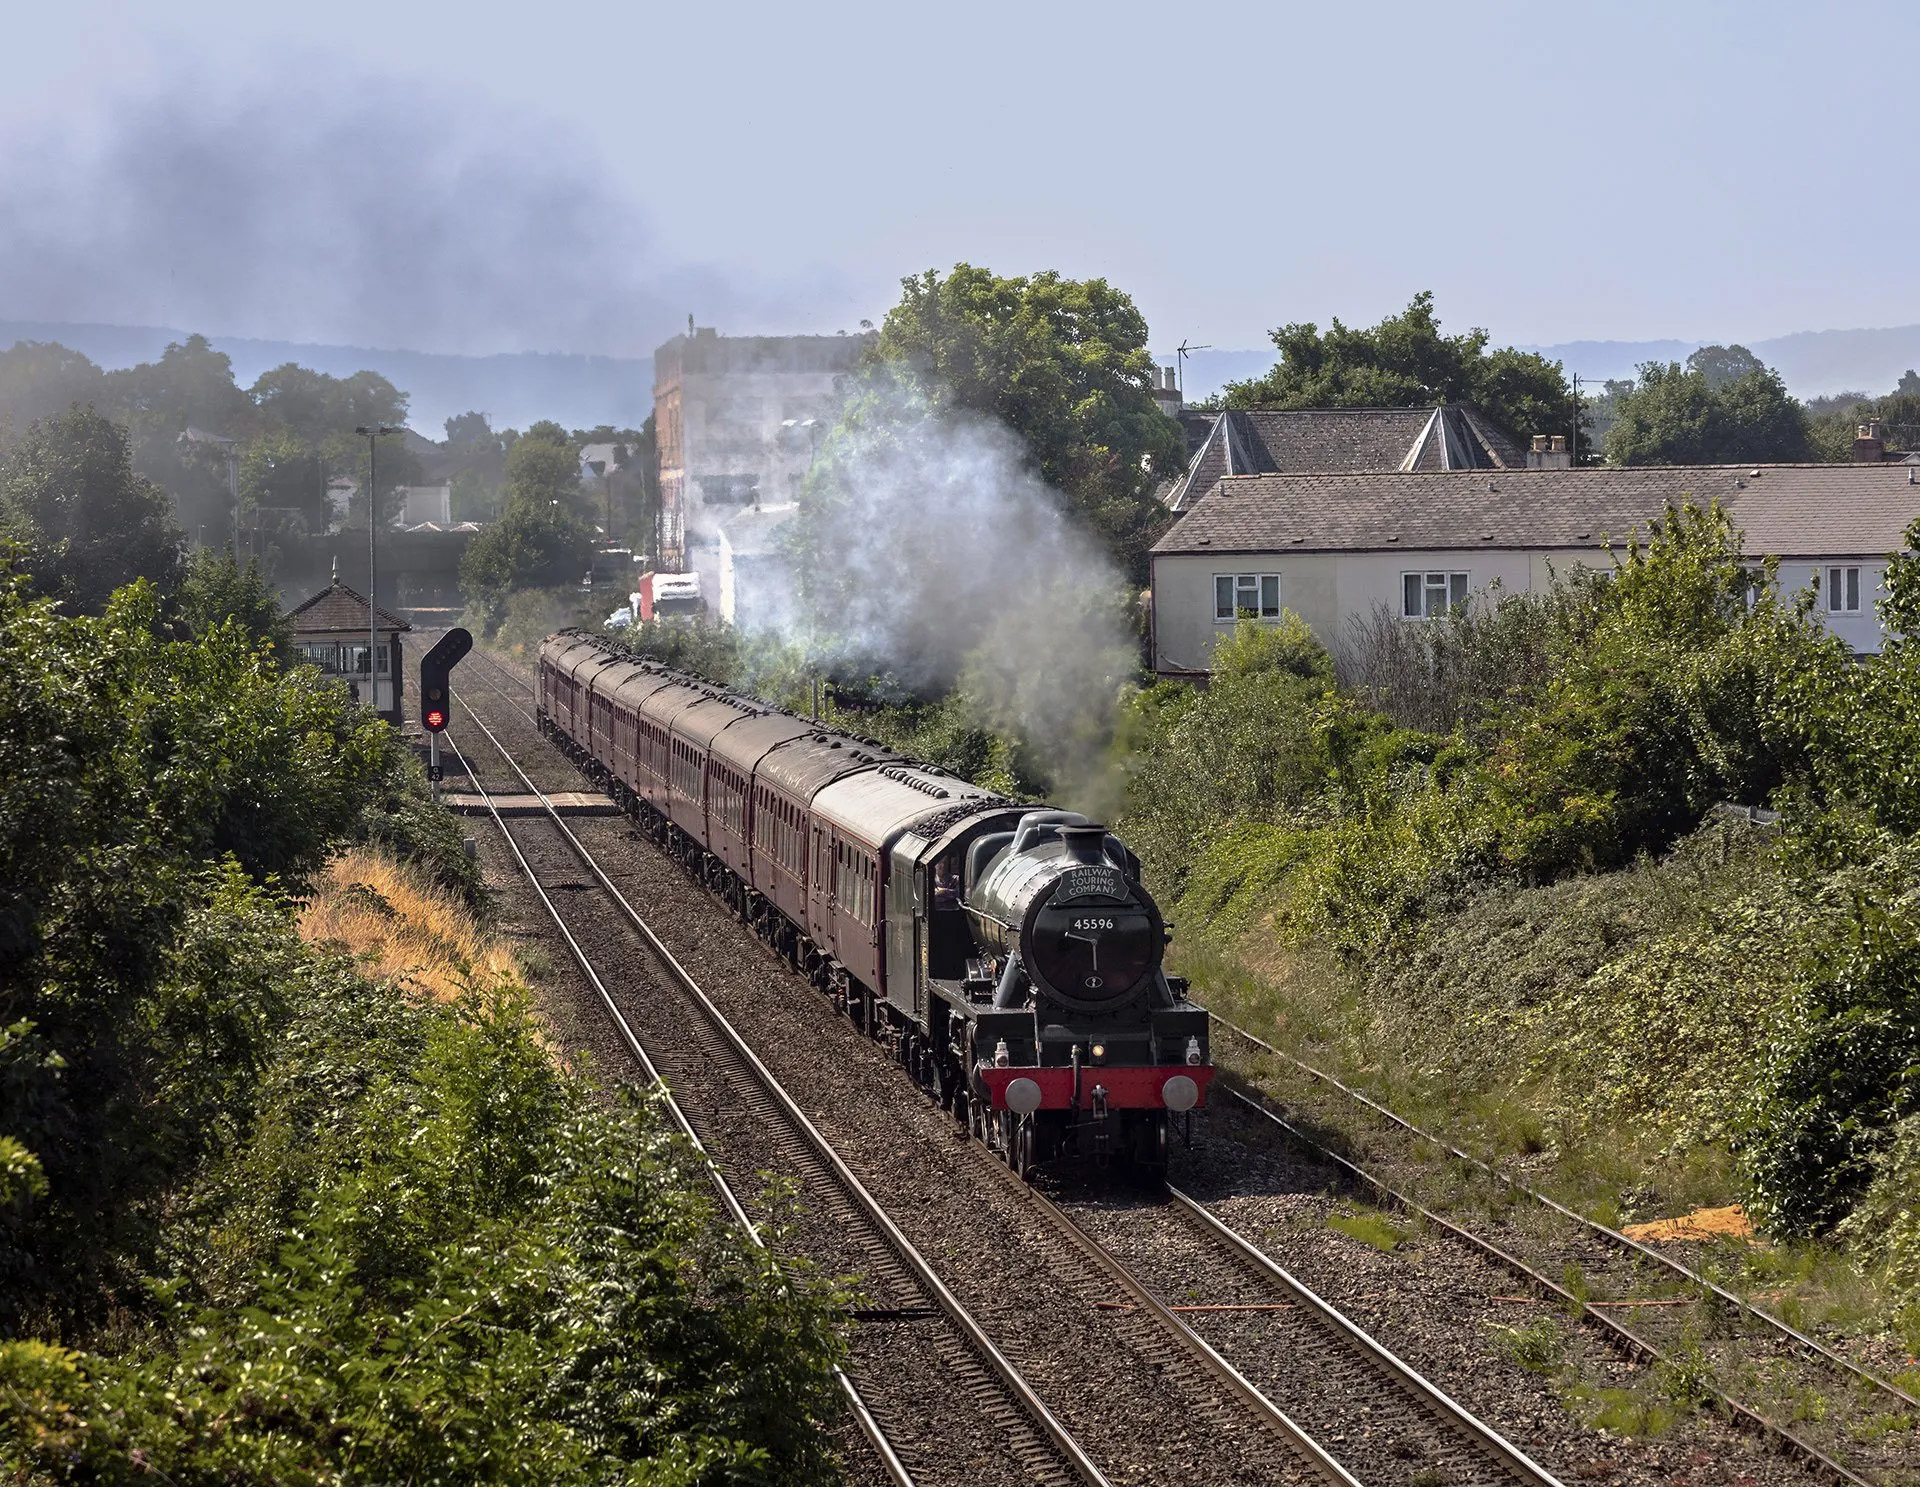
column 1010, row 957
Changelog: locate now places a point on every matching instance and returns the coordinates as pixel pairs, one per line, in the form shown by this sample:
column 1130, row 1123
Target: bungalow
column 1336, row 549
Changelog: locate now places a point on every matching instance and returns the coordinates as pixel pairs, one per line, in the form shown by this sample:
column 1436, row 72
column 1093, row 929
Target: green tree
column 1721, row 410
column 530, row 547
column 477, row 456
column 543, row 469
column 317, row 408
column 216, row 590
column 1064, row 364
column 1405, row 362
column 41, row 378
column 1722, row 365
column 69, row 496
column 131, row 765
column 191, row 385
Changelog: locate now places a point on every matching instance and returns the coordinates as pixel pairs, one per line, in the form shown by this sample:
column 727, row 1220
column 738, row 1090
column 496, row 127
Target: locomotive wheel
column 1150, row 1148
column 1023, row 1145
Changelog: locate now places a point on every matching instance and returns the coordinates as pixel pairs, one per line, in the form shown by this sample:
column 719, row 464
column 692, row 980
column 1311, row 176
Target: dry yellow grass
column 398, row 926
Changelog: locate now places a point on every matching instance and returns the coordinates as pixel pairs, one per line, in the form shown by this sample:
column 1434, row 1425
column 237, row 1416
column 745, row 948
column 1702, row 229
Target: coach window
column 1431, row 596
column 1246, row 596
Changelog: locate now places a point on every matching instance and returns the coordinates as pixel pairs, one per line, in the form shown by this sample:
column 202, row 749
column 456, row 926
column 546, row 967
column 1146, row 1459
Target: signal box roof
column 338, row 610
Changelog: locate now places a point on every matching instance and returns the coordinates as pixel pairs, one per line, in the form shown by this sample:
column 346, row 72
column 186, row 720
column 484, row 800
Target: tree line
column 189, row 437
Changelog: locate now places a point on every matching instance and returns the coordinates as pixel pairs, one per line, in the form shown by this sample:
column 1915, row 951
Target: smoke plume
column 929, row 550
column 307, row 206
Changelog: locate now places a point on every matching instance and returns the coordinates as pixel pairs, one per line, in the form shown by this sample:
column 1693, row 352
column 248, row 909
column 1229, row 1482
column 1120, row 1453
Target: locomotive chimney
column 1085, row 843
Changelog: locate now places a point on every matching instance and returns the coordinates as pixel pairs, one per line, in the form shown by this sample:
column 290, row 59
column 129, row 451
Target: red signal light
column 436, row 719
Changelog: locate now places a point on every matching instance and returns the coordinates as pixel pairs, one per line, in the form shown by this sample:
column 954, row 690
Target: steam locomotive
column 1010, row 957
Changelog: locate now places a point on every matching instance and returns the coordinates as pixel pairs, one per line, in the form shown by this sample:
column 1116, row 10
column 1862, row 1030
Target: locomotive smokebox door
column 1092, row 940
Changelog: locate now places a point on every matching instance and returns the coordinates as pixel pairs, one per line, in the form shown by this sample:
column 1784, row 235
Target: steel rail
column 1074, row 1456
column 1611, row 1235
column 1243, row 1388
column 890, row 1461
column 1438, row 1399
column 1631, row 1342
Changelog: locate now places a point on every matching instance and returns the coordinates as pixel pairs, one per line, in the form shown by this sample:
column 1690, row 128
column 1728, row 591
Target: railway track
column 902, row 1286
column 1385, row 1422
column 1645, row 1303
column 1296, row 1348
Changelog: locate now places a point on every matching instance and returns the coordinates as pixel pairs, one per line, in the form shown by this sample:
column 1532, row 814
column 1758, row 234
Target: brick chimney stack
column 1549, row 452
column 1868, row 447
column 1166, row 390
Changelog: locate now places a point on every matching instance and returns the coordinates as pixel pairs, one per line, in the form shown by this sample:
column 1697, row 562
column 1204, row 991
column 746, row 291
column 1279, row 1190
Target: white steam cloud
column 931, row 551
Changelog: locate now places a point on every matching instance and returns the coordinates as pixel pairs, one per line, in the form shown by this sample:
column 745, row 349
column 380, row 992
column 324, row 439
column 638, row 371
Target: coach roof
column 1784, row 510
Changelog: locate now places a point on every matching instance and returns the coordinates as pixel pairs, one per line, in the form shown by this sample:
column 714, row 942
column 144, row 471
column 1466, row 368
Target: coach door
column 905, row 929
column 819, row 882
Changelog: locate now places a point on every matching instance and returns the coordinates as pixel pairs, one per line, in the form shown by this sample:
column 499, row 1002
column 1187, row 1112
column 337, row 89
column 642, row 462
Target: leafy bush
column 1841, row 1079
column 1681, row 693
column 435, row 1255
column 215, row 589
column 131, row 768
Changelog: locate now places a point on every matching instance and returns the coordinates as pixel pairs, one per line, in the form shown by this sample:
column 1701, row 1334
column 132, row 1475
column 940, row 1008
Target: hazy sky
column 570, row 176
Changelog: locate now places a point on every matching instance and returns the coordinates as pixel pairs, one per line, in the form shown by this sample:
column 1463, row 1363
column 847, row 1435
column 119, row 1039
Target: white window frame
column 1840, row 588
column 1450, row 584
column 1258, row 586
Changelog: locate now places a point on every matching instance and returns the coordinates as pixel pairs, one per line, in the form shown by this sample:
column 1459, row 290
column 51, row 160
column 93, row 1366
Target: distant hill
column 1813, row 362
column 513, row 389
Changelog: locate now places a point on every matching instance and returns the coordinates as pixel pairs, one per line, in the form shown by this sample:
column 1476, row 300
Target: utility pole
column 233, row 493
column 371, row 433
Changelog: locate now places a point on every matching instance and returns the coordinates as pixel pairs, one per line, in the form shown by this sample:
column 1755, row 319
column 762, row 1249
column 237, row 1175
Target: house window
column 1429, row 596
column 1843, row 591
column 1246, row 596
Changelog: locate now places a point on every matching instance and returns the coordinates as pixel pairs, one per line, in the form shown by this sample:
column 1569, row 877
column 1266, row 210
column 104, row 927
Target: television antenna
column 1183, row 351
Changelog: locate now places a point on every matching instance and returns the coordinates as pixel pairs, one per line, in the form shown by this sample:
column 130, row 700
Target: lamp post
column 371, row 433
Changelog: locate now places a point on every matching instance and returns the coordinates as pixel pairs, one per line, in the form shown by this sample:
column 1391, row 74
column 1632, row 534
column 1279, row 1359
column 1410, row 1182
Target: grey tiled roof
column 338, row 610
column 1784, row 510
column 1258, row 442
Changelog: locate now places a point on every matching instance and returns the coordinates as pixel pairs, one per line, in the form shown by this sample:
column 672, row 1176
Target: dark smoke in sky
column 346, row 209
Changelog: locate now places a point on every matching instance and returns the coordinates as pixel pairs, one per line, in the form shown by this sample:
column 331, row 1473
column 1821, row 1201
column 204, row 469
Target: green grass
column 1370, row 1227
column 1627, row 1412
column 1538, row 1346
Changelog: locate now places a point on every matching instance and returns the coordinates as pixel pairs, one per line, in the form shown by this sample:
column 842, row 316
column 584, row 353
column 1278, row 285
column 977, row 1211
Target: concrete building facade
column 738, row 419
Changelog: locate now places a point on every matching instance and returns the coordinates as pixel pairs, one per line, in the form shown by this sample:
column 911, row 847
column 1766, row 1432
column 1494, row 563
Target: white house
column 1334, row 548
column 426, row 503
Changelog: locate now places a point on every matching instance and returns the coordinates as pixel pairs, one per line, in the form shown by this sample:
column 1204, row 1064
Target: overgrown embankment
column 1482, row 871
column 282, row 1209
